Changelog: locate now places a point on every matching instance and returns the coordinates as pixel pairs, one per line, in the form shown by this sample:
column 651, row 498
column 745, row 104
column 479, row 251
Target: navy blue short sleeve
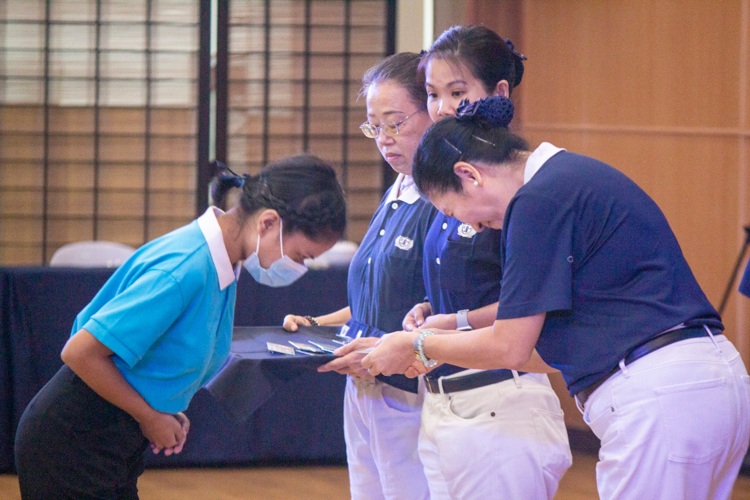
column 462, row 268
column 538, row 258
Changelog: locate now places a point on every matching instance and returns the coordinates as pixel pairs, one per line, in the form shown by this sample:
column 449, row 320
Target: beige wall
column 659, row 89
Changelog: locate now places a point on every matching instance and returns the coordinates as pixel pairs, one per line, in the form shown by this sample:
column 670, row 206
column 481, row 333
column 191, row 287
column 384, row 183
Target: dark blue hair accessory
column 513, row 49
column 239, row 180
column 496, row 110
column 423, row 52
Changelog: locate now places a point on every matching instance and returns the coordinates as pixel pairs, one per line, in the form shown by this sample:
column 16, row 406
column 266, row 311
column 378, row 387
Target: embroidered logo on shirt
column 466, row 231
column 404, row 243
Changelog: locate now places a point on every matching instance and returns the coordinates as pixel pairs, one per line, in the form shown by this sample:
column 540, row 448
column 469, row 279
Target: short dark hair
column 401, row 68
column 482, row 51
column 302, row 189
column 451, row 140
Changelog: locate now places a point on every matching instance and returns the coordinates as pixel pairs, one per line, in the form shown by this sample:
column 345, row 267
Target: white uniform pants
column 381, row 428
column 504, row 441
column 674, row 424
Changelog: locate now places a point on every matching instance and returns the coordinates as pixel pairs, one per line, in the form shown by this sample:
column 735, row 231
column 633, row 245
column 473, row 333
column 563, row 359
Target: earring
column 476, row 183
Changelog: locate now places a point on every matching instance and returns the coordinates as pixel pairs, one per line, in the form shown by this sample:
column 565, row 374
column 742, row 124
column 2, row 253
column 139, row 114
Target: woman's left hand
column 394, row 354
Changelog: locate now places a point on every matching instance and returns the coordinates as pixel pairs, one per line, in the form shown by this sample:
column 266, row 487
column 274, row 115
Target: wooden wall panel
column 742, row 307
column 651, row 62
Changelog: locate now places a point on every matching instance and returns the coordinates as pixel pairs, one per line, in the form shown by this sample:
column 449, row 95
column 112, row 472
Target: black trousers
column 73, row 444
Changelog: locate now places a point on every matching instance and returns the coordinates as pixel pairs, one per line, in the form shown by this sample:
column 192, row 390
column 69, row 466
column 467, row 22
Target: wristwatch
column 419, row 349
column 462, row 320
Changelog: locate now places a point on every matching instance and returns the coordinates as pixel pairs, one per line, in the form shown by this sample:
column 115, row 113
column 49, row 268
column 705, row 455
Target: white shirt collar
column 539, row 157
column 212, row 232
column 409, row 193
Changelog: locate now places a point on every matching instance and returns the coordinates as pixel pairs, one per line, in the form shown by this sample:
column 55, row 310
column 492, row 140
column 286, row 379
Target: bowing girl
column 594, row 278
column 494, row 433
column 161, row 327
column 381, row 417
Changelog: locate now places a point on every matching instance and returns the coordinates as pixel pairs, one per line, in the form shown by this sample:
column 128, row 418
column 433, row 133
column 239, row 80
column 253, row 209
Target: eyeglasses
column 389, row 128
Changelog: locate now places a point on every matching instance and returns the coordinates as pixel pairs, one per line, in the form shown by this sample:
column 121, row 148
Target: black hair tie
column 238, row 180
column 496, row 110
column 513, row 50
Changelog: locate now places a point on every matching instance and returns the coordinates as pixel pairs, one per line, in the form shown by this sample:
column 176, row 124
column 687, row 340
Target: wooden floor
column 310, row 483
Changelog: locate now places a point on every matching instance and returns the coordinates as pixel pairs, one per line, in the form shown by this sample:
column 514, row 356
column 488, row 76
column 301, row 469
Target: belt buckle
column 429, row 386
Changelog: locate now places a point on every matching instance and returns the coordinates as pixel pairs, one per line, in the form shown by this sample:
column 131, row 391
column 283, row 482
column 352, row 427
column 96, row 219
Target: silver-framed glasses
column 389, row 128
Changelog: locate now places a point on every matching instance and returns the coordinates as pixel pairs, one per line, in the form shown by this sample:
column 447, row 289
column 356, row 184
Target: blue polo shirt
column 584, row 244
column 166, row 316
column 462, row 270
column 745, row 283
column 385, row 275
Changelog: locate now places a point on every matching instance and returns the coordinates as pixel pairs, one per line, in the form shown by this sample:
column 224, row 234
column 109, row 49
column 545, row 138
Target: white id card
column 306, row 348
column 279, row 348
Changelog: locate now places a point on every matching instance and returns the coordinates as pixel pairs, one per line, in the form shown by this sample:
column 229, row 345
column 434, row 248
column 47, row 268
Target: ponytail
column 221, row 185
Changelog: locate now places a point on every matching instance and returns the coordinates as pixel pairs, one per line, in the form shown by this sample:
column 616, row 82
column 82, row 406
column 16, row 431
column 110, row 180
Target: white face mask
column 282, row 272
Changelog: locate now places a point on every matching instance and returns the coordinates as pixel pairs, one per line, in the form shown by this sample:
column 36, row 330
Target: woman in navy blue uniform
column 161, row 327
column 485, row 433
column 382, row 417
column 594, row 279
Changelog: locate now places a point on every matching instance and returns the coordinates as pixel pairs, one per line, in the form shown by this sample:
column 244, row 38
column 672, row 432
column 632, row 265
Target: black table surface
column 38, row 306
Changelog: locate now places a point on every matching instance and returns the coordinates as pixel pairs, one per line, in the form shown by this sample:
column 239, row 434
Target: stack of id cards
column 310, row 349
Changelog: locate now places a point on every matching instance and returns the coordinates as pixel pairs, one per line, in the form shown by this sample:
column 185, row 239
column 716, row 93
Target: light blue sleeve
column 134, row 320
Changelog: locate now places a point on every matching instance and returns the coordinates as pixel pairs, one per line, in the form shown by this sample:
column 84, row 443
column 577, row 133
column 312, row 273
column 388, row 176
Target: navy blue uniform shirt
column 584, row 244
column 461, row 267
column 461, row 270
column 385, row 275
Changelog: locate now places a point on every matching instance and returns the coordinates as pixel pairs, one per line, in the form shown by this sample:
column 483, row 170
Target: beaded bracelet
column 419, row 349
column 313, row 321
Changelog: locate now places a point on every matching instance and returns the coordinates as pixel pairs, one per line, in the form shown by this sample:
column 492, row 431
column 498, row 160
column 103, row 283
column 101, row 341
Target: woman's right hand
column 415, row 318
column 292, row 322
column 349, row 361
column 165, row 432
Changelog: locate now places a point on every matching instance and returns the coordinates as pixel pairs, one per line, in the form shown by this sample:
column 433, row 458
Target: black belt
column 647, row 347
column 479, row 379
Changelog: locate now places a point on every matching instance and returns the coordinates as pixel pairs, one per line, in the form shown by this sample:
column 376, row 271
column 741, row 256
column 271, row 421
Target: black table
column 300, row 419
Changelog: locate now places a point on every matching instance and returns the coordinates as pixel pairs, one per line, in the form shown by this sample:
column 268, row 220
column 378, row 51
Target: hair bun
column 496, row 110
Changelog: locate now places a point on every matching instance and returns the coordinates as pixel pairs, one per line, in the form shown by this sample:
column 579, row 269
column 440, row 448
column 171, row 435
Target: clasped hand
column 166, row 431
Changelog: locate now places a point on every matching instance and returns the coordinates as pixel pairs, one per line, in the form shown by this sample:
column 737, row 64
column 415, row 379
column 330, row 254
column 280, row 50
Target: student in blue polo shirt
column 161, row 327
column 485, row 433
column 594, row 278
column 382, row 417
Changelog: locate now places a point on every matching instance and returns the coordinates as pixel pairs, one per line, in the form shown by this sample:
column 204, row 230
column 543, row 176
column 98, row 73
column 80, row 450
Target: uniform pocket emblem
column 466, row 231
column 404, row 243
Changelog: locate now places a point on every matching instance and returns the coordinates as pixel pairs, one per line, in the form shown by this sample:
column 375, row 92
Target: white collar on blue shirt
column 409, row 192
column 212, row 232
column 539, row 157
